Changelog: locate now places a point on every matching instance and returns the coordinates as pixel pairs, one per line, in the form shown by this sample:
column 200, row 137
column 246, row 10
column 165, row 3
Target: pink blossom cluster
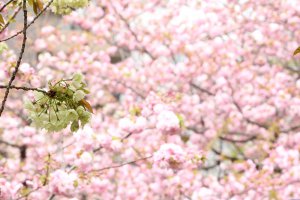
column 63, row 183
column 170, row 156
column 191, row 100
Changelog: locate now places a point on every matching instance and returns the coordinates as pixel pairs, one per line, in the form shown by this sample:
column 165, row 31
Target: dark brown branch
column 216, row 164
column 247, row 119
column 238, row 140
column 5, row 5
column 23, row 150
column 51, row 197
column 293, row 128
column 235, row 103
column 126, row 136
column 196, row 130
column 97, row 149
column 19, row 59
column 201, row 89
column 23, row 88
column 10, row 144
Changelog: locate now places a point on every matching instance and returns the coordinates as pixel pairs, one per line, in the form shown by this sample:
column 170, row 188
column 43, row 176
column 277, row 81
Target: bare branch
column 144, row 50
column 126, row 136
column 23, row 88
column 121, row 165
column 238, row 140
column 10, row 144
column 19, row 59
column 233, row 159
column 52, row 197
column 5, row 5
column 10, row 19
column 201, row 89
column 32, row 22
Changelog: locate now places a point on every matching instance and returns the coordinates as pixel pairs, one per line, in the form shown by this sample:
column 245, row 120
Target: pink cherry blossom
column 63, row 183
column 170, row 155
column 190, row 100
column 168, row 122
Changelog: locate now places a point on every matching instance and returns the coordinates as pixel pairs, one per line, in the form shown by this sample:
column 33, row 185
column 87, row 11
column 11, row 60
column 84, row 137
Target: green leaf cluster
column 62, row 105
column 64, row 7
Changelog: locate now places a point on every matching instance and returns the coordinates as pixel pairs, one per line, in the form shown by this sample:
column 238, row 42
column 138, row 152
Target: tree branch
column 52, row 197
column 121, row 165
column 238, row 140
column 23, row 88
column 10, row 19
column 19, row 59
column 143, row 49
column 32, row 22
column 10, row 144
column 5, row 5
column 201, row 89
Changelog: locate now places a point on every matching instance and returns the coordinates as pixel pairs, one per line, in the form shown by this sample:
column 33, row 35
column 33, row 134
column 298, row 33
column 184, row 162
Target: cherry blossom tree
column 150, row 100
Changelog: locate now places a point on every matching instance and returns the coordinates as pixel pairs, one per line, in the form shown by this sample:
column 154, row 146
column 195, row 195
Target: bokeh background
column 215, row 78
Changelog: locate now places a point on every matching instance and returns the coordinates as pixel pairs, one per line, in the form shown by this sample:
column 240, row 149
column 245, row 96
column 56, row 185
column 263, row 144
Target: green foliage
column 62, row 105
column 297, row 51
column 3, row 47
column 37, row 5
column 2, row 21
column 63, row 7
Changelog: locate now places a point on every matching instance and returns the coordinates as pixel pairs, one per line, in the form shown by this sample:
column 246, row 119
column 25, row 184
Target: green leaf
column 297, row 51
column 181, row 120
column 44, row 179
column 75, row 184
column 135, row 111
column 273, row 195
column 25, row 191
column 30, row 2
column 115, row 138
column 185, row 138
column 85, row 90
column 74, row 126
column 86, row 104
column 2, row 21
column 40, row 5
column 35, row 8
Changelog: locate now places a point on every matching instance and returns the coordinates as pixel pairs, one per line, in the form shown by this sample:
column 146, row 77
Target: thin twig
column 19, row 59
column 219, row 153
column 121, row 165
column 10, row 144
column 97, row 149
column 52, row 197
column 32, row 22
column 126, row 136
column 293, row 128
column 23, row 88
column 5, row 5
column 201, row 89
column 144, row 50
column 10, row 19
column 238, row 140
